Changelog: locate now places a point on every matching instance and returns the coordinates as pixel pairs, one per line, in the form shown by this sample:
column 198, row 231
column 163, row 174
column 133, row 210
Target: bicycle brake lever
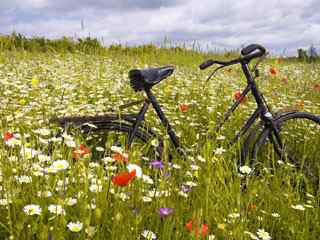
column 209, row 77
column 213, row 73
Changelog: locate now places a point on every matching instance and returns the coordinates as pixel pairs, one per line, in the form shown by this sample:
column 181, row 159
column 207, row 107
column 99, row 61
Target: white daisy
column 138, row 169
column 75, row 226
column 263, row 235
column 60, row 165
column 56, row 209
column 32, row 209
column 298, row 207
column 245, row 170
column 149, row 235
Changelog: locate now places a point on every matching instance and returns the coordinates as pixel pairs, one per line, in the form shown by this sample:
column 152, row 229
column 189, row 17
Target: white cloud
column 279, row 25
column 36, row 3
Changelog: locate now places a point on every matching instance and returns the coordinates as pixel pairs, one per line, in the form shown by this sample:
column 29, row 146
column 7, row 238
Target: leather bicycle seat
column 251, row 48
column 147, row 78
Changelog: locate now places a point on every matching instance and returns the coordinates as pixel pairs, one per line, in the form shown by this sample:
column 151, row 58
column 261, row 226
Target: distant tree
column 302, row 54
column 312, row 52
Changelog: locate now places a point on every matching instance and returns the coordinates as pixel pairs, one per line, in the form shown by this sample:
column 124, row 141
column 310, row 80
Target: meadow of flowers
column 64, row 195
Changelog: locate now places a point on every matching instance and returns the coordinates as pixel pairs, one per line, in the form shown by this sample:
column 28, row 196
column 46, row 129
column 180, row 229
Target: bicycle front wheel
column 298, row 148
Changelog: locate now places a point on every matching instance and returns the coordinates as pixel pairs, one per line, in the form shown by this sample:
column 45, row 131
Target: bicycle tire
column 94, row 134
column 248, row 143
column 300, row 134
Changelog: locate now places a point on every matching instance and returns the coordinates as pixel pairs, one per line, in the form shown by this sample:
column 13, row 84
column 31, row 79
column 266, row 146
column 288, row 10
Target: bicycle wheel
column 300, row 137
column 109, row 139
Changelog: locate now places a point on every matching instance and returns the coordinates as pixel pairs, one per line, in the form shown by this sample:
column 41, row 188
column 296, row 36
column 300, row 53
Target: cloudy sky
column 281, row 25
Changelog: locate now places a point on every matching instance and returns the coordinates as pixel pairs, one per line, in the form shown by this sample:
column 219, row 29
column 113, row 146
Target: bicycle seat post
column 163, row 118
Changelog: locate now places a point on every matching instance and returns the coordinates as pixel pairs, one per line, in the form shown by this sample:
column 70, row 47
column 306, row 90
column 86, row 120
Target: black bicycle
column 282, row 138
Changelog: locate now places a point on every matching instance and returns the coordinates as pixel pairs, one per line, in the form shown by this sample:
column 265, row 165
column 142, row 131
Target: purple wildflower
column 185, row 188
column 157, row 164
column 166, row 174
column 135, row 210
column 163, row 212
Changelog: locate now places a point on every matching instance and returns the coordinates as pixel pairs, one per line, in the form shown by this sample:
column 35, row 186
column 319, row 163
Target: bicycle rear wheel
column 299, row 150
column 109, row 139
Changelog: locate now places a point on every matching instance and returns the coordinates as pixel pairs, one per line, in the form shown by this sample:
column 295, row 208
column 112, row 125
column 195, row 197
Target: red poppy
column 316, row 87
column 183, row 107
column 204, row 229
column 189, row 225
column 7, row 136
column 237, row 97
column 120, row 157
column 82, row 151
column 252, row 206
column 123, row 179
column 273, row 71
column 196, row 231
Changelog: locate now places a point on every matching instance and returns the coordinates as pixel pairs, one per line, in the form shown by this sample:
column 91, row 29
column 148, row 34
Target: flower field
column 61, row 194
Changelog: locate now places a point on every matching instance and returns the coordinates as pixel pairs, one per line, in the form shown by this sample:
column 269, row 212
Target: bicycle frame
column 260, row 112
column 140, row 117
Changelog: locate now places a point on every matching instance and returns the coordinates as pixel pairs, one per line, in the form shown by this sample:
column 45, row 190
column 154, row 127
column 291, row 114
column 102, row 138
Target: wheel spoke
column 299, row 148
column 101, row 140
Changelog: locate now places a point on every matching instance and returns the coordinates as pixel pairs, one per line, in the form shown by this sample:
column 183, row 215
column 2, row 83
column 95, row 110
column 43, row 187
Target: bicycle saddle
column 147, row 78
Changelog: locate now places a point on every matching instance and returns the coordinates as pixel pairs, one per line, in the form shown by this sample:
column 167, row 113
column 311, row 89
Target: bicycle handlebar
column 250, row 52
column 206, row 64
column 210, row 62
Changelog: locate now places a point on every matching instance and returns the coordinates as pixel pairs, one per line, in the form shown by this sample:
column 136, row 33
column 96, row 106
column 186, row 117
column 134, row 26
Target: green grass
column 36, row 87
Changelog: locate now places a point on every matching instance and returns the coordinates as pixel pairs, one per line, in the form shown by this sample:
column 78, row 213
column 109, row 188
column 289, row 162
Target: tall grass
column 207, row 189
